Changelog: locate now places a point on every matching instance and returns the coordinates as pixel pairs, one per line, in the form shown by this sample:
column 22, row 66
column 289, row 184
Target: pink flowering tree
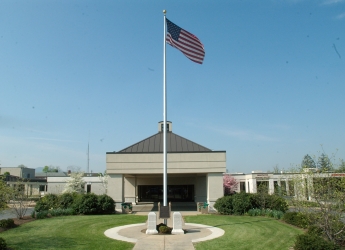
column 229, row 184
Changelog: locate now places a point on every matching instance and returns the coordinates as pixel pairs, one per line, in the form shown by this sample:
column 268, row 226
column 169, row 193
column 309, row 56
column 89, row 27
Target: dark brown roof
column 175, row 143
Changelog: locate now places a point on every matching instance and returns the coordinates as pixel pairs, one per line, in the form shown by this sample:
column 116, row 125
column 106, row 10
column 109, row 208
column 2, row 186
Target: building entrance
column 148, row 193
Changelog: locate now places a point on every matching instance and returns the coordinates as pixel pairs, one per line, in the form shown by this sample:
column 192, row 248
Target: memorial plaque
column 164, row 212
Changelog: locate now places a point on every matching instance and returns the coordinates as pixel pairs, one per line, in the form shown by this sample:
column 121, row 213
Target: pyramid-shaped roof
column 154, row 144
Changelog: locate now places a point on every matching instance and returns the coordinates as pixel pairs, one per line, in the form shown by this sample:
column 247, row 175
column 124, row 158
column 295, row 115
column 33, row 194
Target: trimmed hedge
column 224, row 205
column 241, row 203
column 86, row 204
column 73, row 203
column 106, row 205
column 66, row 200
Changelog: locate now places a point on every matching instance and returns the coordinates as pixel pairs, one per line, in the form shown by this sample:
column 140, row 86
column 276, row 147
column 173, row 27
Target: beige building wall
column 214, row 188
column 29, row 188
column 115, row 189
column 144, row 163
column 130, row 191
column 56, row 185
column 202, row 169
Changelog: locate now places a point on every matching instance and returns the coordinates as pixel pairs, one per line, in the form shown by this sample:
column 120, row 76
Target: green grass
column 244, row 232
column 87, row 232
column 70, row 232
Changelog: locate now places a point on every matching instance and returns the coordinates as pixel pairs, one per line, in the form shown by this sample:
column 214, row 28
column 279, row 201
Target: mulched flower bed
column 19, row 222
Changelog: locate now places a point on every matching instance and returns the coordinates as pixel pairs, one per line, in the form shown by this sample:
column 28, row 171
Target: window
column 242, row 186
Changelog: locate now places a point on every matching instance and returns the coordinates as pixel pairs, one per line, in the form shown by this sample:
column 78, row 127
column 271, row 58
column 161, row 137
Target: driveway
column 9, row 213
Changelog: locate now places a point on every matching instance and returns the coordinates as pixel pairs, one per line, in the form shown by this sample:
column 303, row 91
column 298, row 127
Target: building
column 39, row 184
column 22, row 172
column 293, row 184
column 23, row 178
column 93, row 183
column 194, row 172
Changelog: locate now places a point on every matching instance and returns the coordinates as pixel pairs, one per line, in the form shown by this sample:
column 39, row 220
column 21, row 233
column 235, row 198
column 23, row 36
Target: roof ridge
column 176, row 143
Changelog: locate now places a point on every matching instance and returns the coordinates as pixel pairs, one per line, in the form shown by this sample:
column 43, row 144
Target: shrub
column 315, row 230
column 61, row 212
column 74, row 203
column 3, row 245
column 86, row 204
column 255, row 212
column 338, row 235
column 277, row 203
column 106, row 205
column 266, row 212
column 241, row 203
column 278, row 214
column 66, row 200
column 274, row 202
column 162, row 228
column 297, row 219
column 42, row 214
column 49, row 201
column 224, row 205
column 7, row 223
column 165, row 230
column 313, row 242
column 260, row 200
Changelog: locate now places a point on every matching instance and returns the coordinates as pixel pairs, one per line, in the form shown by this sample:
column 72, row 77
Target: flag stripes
column 186, row 42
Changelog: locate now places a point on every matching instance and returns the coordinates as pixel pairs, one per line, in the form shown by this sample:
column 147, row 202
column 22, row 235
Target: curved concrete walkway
column 133, row 233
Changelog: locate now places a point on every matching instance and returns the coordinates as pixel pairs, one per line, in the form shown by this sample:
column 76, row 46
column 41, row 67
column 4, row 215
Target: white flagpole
column 165, row 182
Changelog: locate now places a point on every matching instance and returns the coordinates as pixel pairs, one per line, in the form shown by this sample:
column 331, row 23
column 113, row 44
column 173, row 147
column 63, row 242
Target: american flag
column 186, row 42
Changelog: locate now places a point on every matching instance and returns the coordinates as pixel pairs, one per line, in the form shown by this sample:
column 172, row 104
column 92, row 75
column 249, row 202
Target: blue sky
column 271, row 88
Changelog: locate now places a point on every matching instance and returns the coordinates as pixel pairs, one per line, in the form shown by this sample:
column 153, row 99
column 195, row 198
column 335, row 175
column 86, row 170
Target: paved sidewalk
column 133, row 233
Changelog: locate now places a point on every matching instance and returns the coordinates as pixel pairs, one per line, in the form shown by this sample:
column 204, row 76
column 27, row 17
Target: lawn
column 245, row 232
column 70, row 232
column 87, row 232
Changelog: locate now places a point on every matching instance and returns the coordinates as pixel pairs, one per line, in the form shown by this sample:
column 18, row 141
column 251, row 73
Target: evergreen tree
column 308, row 162
column 341, row 168
column 324, row 164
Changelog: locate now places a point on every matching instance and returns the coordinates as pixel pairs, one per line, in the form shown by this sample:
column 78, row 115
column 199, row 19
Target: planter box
column 204, row 210
column 203, row 207
column 126, row 208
